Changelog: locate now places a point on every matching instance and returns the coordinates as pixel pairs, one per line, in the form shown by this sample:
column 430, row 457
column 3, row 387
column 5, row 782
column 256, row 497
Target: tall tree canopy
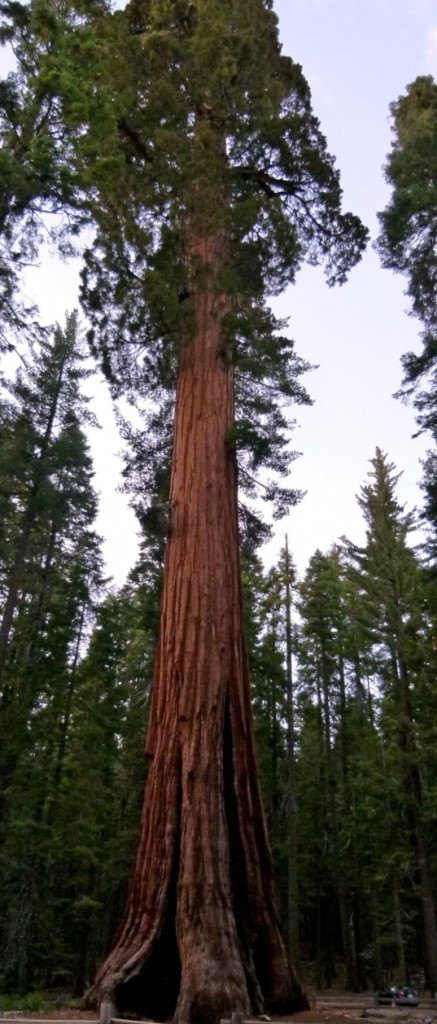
column 184, row 136
column 408, row 235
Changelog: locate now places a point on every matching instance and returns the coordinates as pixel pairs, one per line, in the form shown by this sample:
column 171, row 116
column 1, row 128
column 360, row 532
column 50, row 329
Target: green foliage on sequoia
column 160, row 124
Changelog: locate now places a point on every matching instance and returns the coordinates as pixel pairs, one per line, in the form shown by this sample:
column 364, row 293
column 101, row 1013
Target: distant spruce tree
column 39, row 424
column 397, row 613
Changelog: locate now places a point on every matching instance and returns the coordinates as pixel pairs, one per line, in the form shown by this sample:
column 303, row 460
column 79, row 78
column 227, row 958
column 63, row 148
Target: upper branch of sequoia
column 121, row 113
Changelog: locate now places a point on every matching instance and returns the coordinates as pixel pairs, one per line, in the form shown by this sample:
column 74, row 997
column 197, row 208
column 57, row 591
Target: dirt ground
column 318, row 1014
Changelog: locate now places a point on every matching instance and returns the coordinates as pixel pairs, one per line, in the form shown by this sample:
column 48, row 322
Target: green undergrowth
column 33, row 1002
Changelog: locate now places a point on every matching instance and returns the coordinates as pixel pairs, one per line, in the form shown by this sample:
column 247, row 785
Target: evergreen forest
column 180, row 183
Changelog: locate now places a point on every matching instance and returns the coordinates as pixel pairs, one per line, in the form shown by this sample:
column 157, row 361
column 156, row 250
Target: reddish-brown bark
column 200, row 935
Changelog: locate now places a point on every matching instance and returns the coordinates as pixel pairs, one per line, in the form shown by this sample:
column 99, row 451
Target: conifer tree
column 33, row 854
column 50, row 566
column 60, row 579
column 40, row 428
column 268, row 605
column 407, row 241
column 324, row 630
column 193, row 142
column 393, row 584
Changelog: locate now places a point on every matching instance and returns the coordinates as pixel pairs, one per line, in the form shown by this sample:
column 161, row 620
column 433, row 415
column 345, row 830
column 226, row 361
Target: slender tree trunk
column 292, row 847
column 339, row 880
column 274, row 744
column 376, row 962
column 200, row 908
column 399, row 938
column 346, row 907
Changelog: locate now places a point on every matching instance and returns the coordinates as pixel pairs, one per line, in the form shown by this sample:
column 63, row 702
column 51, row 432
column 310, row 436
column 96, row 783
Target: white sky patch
column 431, row 50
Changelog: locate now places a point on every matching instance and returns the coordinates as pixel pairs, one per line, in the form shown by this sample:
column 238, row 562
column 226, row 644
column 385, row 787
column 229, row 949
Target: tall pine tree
column 393, row 585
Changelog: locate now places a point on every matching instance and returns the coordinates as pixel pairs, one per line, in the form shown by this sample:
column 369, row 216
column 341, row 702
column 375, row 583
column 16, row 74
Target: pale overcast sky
column 358, row 56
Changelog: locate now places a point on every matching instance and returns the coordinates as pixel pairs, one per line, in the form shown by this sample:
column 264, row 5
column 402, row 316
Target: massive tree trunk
column 200, row 936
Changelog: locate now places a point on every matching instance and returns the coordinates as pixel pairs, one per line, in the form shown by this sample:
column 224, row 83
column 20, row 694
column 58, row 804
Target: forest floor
column 344, row 1010
column 334, row 1014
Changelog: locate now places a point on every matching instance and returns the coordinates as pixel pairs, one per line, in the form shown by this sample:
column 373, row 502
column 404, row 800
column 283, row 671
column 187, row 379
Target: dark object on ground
column 397, row 995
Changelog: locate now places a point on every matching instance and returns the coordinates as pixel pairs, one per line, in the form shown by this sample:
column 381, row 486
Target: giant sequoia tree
column 192, row 146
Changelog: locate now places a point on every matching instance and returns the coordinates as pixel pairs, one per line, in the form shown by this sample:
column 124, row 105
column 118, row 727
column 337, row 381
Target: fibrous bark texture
column 200, row 937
